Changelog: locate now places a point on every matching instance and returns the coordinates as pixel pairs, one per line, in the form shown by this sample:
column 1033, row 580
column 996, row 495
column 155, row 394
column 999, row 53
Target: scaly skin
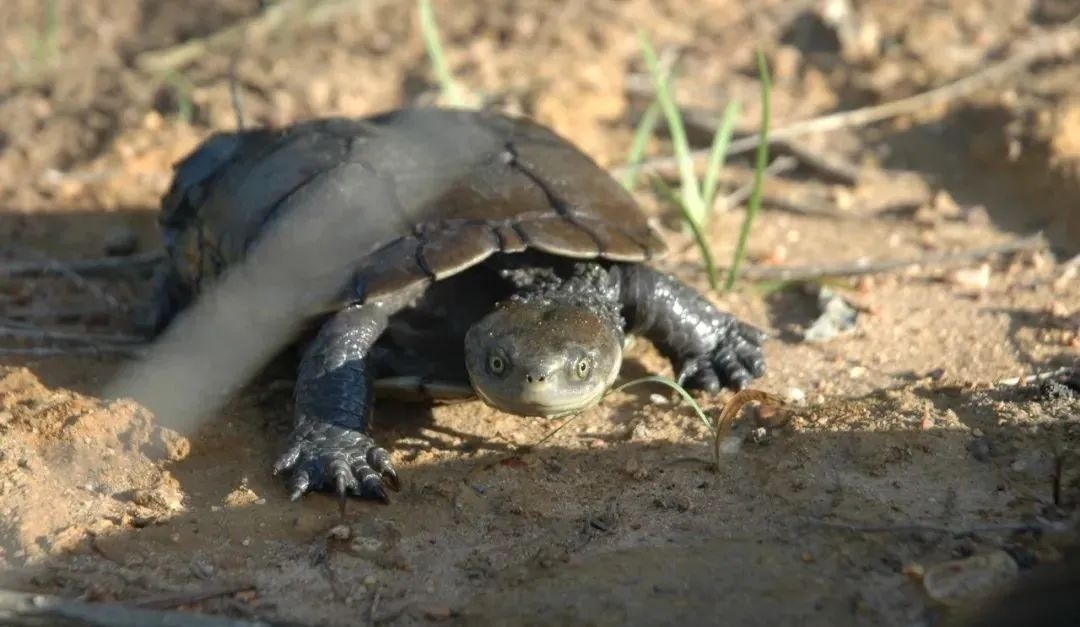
column 330, row 448
column 709, row 349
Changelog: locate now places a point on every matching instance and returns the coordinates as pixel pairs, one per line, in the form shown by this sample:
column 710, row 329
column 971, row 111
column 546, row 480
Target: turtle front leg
column 329, row 448
column 709, row 349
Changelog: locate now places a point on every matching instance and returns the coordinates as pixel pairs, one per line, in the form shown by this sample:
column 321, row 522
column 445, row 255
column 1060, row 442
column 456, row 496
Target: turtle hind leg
column 170, row 295
column 709, row 349
column 329, row 447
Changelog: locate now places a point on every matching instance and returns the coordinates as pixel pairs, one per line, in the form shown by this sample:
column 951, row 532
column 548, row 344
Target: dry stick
column 1033, row 378
column 83, row 267
column 943, row 260
column 1062, row 41
column 47, row 312
column 89, row 350
column 76, row 279
column 45, row 335
column 312, row 12
column 374, row 607
column 21, row 609
column 831, row 167
column 925, row 528
column 778, row 166
column 170, row 600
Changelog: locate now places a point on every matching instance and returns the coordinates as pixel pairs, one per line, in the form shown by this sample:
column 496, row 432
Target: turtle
column 519, row 283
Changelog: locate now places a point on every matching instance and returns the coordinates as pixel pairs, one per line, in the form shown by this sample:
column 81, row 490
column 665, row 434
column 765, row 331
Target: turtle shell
column 527, row 188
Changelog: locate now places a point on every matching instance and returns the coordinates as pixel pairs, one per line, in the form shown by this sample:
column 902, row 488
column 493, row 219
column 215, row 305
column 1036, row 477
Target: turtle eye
column 496, row 364
column 582, row 368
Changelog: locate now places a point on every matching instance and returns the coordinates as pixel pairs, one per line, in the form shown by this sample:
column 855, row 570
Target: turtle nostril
column 536, row 378
column 529, row 378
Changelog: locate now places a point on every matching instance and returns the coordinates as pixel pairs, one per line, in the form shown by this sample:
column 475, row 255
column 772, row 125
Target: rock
column 957, row 582
column 121, row 241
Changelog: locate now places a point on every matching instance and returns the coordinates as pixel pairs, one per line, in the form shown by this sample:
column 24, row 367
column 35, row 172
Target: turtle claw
column 300, row 483
column 733, row 362
column 379, row 460
column 330, row 458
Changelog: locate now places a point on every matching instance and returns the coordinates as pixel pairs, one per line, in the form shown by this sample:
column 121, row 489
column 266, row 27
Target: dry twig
column 60, row 268
column 83, row 267
column 778, row 166
column 175, row 599
column 1062, row 41
column 1034, row 378
column 831, row 167
column 86, row 350
column 310, row 12
column 47, row 335
column 859, row 268
column 21, row 609
column 927, row 528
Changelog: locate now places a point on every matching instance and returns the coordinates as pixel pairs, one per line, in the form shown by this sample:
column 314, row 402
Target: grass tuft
column 696, row 198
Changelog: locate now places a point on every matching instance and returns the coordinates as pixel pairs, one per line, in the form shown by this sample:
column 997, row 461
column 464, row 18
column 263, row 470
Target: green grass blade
column 759, row 172
column 661, row 189
column 690, row 192
column 46, row 44
column 718, row 153
column 438, row 58
column 671, row 383
column 641, row 138
column 184, row 108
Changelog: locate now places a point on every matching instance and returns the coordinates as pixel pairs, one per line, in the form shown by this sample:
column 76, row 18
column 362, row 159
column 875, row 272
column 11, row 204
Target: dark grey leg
column 709, row 349
column 329, row 446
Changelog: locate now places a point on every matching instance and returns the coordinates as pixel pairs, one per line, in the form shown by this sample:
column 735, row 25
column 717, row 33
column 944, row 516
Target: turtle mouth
column 539, row 407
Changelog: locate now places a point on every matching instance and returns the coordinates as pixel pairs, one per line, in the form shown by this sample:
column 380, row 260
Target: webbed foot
column 733, row 362
column 329, row 458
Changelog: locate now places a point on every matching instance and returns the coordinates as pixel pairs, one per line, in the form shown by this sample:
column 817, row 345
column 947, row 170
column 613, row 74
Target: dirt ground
column 906, row 448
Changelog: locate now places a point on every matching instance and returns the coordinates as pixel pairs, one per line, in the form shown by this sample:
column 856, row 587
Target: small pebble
column 977, row 279
column 957, row 581
column 121, row 241
column 438, row 612
column 340, row 532
column 202, row 569
column 370, row 580
column 639, row 432
column 794, row 395
column 980, row 448
column 731, row 445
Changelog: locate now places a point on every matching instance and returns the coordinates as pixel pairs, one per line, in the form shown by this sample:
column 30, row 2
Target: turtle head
column 542, row 358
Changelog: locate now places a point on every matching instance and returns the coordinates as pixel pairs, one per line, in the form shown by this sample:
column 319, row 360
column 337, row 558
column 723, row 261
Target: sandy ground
column 909, row 450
